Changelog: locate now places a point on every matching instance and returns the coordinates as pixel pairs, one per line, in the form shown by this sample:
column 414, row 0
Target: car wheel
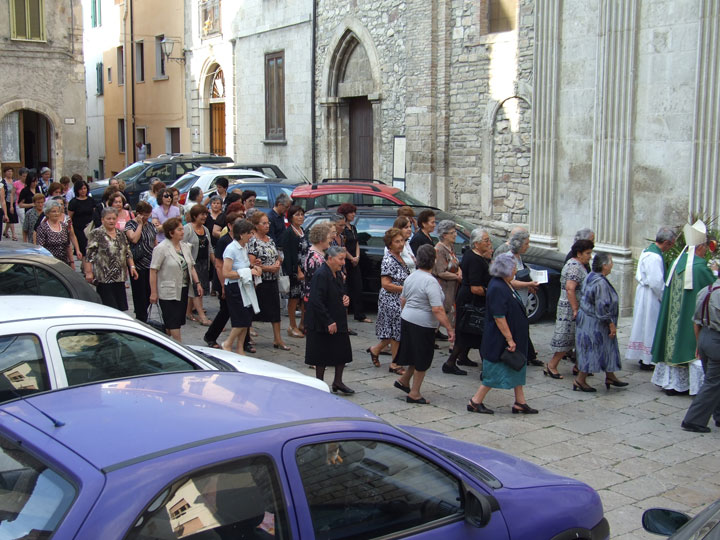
column 537, row 305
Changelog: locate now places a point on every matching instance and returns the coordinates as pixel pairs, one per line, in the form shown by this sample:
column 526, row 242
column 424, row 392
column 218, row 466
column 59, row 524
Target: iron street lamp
column 167, row 46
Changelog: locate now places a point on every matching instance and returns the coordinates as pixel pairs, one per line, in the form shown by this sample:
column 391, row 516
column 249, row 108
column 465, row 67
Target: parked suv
column 166, row 167
column 335, row 191
column 372, row 222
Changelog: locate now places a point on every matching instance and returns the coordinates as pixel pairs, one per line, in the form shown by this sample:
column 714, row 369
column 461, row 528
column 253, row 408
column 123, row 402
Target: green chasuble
column 674, row 341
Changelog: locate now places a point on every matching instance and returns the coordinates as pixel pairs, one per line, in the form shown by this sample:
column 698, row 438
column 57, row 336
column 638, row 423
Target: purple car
column 209, row 455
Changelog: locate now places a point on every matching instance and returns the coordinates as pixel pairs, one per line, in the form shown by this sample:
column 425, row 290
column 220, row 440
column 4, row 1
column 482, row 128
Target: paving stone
column 637, row 466
column 641, row 487
column 624, row 519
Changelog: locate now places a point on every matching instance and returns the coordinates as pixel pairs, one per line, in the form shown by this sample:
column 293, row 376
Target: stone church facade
column 554, row 114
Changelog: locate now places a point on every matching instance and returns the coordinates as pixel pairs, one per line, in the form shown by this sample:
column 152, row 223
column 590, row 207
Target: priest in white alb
column 650, row 276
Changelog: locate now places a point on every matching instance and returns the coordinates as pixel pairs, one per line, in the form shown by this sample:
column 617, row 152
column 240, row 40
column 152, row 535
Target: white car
column 48, row 343
column 206, row 177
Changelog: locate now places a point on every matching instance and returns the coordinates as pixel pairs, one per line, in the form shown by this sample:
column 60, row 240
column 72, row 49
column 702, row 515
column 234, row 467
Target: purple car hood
column 512, row 472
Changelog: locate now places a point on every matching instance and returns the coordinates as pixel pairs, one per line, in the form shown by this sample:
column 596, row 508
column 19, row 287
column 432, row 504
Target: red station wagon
column 335, row 191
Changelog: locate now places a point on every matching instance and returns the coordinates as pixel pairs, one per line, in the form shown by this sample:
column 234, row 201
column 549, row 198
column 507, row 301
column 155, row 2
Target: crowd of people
column 174, row 255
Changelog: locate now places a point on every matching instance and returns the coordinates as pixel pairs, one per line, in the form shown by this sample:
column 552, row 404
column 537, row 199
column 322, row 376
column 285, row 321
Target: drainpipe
column 124, row 44
column 313, row 130
column 132, row 79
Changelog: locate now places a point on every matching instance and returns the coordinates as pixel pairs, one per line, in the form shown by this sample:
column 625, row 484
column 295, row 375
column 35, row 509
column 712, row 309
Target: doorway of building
column 361, row 138
column 26, row 140
column 217, row 113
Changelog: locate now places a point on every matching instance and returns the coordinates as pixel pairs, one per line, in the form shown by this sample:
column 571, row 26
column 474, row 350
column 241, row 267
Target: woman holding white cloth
column 239, row 285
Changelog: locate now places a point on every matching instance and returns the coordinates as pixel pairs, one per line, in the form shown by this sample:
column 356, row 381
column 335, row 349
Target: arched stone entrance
column 27, row 139
column 351, row 138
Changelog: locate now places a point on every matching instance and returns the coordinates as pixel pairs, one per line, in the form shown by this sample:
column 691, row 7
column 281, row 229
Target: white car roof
column 16, row 308
column 212, row 172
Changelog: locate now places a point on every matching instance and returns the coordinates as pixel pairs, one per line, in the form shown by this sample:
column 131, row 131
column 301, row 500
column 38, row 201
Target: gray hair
column 334, row 218
column 665, row 234
column 252, row 211
column 108, row 210
column 477, row 234
column 216, row 198
column 333, row 251
column 503, row 265
column 283, row 198
column 446, row 226
column 600, row 260
column 517, row 240
column 319, row 232
column 584, row 234
column 53, row 203
column 425, row 257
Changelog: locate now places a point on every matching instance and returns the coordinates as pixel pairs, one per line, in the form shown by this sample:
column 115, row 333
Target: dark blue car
column 209, row 455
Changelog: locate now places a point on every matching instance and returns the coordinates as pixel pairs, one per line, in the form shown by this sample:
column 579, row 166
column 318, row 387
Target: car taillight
column 183, row 198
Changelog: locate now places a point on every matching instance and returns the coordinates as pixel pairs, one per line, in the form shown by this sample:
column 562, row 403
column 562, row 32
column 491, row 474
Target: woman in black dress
column 294, row 245
column 328, row 340
column 352, row 264
column 475, row 268
column 80, row 210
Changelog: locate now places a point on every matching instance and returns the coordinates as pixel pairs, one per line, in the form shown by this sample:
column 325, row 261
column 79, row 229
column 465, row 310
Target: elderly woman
column 55, row 235
column 163, row 211
column 506, row 327
column 422, row 301
column 198, row 236
column 476, row 271
column 338, row 221
column 320, row 236
column 447, row 268
column 596, row 327
column 117, row 201
column 352, row 262
column 108, row 259
column 239, row 275
column 172, row 273
column 393, row 273
column 264, row 253
column 294, row 245
column 141, row 238
column 328, row 340
column 571, row 278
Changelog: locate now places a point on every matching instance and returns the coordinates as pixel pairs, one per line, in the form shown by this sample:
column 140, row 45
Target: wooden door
column 361, row 138
column 217, row 128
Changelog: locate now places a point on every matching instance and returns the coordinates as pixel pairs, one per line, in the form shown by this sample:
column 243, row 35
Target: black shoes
column 440, row 336
column 688, row 426
column 466, row 362
column 552, row 375
column 342, row 388
column 352, row 332
column 523, row 408
column 671, row 392
column 610, row 382
column 401, row 386
column 583, row 387
column 453, row 370
column 478, row 408
column 534, row 362
column 646, row 367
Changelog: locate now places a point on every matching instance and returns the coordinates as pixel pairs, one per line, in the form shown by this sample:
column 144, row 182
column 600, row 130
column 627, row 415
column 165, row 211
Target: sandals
column 205, row 321
column 373, row 357
column 294, row 332
column 478, row 408
column 420, row 401
column 552, row 375
column 397, row 370
column 401, row 386
column 281, row 346
column 365, row 320
column 249, row 349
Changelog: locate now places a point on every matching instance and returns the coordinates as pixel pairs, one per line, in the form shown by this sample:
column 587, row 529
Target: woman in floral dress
column 571, row 278
column 393, row 273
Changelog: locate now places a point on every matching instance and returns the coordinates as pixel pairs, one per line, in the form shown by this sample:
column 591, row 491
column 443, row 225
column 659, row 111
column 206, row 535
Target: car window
column 50, row 285
column 22, row 366
column 163, row 172
column 185, row 167
column 185, row 182
column 98, row 355
column 130, row 172
column 261, row 200
column 241, row 499
column 366, row 489
column 333, row 199
column 377, row 200
column 372, row 229
column 17, row 278
column 34, row 497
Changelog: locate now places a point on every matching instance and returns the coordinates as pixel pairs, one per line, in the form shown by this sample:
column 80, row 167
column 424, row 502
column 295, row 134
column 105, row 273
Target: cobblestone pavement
column 626, row 442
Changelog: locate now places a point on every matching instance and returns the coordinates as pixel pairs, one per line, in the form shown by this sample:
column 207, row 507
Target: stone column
column 376, row 102
column 612, row 139
column 704, row 192
column 329, row 107
column 546, row 61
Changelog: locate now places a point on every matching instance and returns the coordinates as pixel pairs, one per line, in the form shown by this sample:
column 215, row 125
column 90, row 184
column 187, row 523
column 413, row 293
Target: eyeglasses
column 167, row 196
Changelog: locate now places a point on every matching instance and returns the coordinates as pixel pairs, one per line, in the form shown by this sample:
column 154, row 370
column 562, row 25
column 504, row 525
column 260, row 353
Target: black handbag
column 515, row 360
column 156, row 320
column 473, row 320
